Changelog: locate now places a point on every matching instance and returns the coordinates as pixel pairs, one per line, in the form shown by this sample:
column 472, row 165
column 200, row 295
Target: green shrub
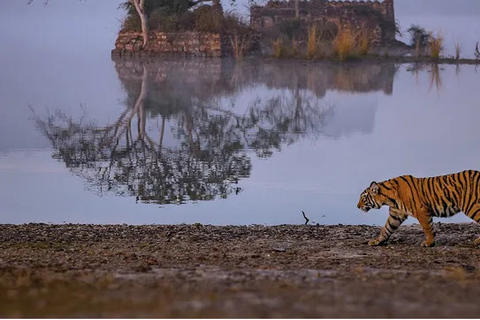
column 232, row 22
column 131, row 23
column 208, row 19
column 160, row 20
column 292, row 29
column 419, row 36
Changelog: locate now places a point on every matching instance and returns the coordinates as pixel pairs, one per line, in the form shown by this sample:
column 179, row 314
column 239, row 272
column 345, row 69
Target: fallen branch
column 305, row 217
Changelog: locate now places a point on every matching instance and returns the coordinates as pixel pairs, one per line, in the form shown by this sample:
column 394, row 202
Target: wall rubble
column 374, row 16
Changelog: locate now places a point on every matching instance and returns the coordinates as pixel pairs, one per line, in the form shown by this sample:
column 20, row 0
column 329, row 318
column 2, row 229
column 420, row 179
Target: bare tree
column 141, row 11
column 140, row 8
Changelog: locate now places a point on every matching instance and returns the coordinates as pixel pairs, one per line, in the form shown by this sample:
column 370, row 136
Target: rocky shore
column 236, row 271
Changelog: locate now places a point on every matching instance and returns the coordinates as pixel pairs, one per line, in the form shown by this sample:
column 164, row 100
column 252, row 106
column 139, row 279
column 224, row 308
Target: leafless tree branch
column 305, row 217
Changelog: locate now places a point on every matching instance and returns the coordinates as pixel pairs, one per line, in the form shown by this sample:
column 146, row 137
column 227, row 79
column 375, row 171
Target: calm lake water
column 215, row 142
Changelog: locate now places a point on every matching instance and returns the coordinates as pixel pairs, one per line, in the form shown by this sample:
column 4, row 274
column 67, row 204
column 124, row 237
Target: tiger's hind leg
column 474, row 214
column 477, row 241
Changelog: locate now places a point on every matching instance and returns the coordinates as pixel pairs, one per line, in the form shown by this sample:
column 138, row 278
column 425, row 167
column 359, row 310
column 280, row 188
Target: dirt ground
column 236, row 271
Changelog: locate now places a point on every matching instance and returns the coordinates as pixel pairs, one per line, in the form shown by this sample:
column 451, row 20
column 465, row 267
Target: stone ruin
column 378, row 18
column 375, row 17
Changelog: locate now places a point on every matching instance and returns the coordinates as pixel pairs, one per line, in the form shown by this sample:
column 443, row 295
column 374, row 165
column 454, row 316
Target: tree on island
column 419, row 36
column 164, row 13
column 139, row 6
column 143, row 9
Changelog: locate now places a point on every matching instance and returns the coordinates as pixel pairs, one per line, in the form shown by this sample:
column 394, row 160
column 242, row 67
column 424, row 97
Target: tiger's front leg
column 395, row 219
column 425, row 219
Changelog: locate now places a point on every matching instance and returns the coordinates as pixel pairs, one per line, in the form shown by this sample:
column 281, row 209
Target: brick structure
column 375, row 16
column 186, row 43
column 182, row 43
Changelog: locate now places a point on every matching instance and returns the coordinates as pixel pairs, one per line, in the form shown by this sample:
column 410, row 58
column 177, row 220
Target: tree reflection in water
column 178, row 140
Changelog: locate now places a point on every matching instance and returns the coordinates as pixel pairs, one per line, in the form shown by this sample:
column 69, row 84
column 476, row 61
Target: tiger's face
column 369, row 198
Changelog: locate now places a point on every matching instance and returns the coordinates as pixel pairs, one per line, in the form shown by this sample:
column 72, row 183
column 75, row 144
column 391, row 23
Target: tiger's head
column 370, row 198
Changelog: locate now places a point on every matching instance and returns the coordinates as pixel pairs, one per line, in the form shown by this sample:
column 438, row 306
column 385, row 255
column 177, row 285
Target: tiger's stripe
column 424, row 198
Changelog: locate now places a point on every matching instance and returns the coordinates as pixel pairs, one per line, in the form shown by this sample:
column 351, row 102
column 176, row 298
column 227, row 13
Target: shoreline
column 73, row 270
column 365, row 59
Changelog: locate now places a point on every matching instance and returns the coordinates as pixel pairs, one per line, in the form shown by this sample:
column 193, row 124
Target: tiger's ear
column 374, row 188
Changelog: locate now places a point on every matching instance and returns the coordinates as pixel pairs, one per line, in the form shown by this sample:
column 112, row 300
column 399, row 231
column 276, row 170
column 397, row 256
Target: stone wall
column 353, row 14
column 183, row 43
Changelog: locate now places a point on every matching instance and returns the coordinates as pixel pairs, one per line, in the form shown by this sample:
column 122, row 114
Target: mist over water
column 212, row 141
column 89, row 140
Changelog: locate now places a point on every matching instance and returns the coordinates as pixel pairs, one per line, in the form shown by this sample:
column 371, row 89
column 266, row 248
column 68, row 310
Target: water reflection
column 183, row 137
column 434, row 74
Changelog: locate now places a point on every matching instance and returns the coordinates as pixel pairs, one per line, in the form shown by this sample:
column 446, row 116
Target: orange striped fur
column 423, row 198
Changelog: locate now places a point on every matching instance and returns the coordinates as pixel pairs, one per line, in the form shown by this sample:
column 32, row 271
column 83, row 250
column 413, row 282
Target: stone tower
column 390, row 18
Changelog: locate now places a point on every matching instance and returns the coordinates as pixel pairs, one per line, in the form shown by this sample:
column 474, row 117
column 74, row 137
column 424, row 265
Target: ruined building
column 378, row 18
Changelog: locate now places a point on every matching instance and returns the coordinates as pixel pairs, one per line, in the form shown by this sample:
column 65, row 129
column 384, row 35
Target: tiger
column 423, row 198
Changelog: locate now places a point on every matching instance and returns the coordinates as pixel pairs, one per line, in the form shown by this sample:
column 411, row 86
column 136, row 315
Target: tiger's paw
column 374, row 242
column 477, row 241
column 428, row 244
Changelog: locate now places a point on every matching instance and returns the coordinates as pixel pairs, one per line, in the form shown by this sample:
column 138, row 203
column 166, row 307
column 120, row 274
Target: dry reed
column 344, row 44
column 363, row 42
column 312, row 43
column 279, row 48
column 436, row 46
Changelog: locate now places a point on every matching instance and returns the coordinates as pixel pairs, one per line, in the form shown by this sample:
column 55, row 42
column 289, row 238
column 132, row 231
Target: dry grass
column 279, row 48
column 461, row 274
column 344, row 44
column 455, row 273
column 320, row 40
column 363, row 42
column 312, row 43
column 436, row 46
column 295, row 50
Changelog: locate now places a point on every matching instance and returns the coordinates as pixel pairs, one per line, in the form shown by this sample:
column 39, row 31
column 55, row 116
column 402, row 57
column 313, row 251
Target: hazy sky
column 437, row 7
